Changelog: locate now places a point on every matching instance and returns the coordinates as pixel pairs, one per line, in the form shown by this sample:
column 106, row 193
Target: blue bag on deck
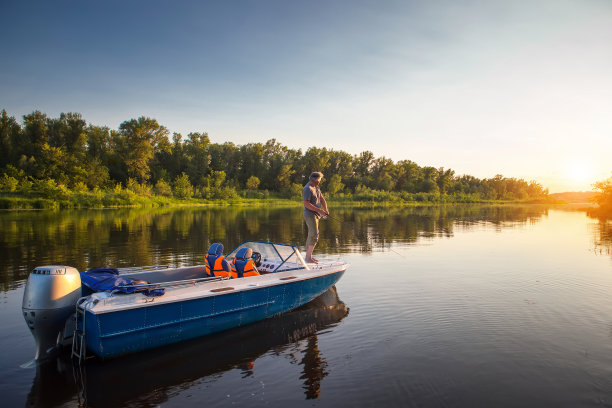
column 108, row 279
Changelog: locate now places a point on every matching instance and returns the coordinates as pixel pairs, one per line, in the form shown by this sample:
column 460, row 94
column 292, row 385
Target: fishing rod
column 333, row 218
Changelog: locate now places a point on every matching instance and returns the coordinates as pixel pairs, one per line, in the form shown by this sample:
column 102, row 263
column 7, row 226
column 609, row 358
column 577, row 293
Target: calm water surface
column 455, row 306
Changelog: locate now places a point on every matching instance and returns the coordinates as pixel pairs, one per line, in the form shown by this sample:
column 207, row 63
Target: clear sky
column 519, row 88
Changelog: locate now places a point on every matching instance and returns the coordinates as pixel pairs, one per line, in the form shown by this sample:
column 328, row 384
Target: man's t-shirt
column 312, row 194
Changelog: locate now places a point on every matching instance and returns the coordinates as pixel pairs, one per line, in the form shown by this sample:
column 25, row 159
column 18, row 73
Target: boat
column 160, row 306
column 58, row 381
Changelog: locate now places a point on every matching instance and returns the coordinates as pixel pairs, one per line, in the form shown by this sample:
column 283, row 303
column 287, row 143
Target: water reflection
column 603, row 236
column 129, row 237
column 150, row 378
column 314, row 368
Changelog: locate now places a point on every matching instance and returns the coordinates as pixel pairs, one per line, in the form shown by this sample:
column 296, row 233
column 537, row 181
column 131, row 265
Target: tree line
column 142, row 156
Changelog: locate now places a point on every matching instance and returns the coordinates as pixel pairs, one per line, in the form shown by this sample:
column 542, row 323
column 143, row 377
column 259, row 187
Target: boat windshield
column 285, row 256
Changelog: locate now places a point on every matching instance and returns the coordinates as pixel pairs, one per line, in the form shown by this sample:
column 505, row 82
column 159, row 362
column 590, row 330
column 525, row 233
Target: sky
column 522, row 89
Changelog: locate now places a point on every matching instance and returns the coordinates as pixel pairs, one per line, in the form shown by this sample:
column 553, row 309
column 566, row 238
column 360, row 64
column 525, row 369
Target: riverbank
column 127, row 198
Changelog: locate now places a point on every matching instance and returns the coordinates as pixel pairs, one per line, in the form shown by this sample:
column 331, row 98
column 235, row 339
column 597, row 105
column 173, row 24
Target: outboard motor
column 49, row 299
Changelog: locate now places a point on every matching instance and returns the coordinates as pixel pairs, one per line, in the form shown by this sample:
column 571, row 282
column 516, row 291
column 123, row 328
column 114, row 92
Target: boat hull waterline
column 113, row 333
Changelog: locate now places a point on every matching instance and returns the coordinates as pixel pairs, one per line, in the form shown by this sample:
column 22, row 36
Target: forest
column 68, row 159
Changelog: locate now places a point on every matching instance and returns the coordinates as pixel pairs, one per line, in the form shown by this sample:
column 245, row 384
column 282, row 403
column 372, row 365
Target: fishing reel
column 256, row 257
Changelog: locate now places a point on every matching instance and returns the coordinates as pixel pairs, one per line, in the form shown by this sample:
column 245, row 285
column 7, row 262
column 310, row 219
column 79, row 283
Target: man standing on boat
column 315, row 207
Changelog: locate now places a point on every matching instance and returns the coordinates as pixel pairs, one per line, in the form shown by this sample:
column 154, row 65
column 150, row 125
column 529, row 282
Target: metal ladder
column 79, row 349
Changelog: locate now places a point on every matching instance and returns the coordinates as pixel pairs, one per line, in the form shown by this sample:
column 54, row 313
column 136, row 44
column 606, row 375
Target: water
column 442, row 306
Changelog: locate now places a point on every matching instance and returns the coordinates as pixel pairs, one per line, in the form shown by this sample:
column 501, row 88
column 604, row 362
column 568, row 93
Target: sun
column 579, row 171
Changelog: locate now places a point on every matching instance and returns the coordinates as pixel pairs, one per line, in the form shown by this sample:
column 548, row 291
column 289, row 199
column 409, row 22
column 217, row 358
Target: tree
column 9, row 133
column 384, row 174
column 217, row 178
column 97, row 173
column 604, row 194
column 284, row 177
column 314, row 159
column 29, row 147
column 98, row 141
column 428, row 183
column 142, row 137
column 408, row 175
column 163, row 188
column 252, row 183
column 363, row 163
column 182, row 187
column 69, row 132
column 66, row 151
column 445, row 179
column 335, row 184
column 196, row 154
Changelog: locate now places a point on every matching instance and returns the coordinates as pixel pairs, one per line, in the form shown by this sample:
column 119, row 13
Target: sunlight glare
column 580, row 172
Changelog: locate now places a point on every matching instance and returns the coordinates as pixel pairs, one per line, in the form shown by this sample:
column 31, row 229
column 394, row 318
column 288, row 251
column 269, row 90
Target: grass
column 65, row 199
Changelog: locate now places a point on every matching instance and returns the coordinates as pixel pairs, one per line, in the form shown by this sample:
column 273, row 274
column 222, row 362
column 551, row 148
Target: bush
column 162, row 188
column 8, row 183
column 295, row 190
column 80, row 187
column 252, row 183
column 25, row 186
column 182, row 187
column 48, row 188
column 141, row 189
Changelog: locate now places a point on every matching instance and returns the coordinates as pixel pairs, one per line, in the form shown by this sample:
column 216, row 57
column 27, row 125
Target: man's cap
column 315, row 175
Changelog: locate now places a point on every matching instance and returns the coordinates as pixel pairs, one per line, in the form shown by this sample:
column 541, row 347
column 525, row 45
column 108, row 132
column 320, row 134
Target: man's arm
column 310, row 206
column 324, row 205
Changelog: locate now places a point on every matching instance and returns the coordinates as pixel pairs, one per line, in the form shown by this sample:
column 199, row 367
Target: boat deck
column 105, row 302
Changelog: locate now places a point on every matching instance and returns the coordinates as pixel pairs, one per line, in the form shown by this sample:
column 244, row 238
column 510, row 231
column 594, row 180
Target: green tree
column 182, row 187
column 29, row 147
column 162, row 188
column 196, row 155
column 284, row 177
column 98, row 142
column 334, row 185
column 217, row 178
column 8, row 183
column 142, row 137
column 314, row 159
column 444, row 179
column 9, row 134
column 69, row 132
column 252, row 183
column 295, row 190
column 408, row 176
column 97, row 173
column 384, row 173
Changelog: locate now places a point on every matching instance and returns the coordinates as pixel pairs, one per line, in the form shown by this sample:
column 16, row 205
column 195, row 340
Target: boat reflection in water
column 148, row 377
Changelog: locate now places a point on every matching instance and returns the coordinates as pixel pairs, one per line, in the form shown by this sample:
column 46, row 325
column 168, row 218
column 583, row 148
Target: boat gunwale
column 175, row 296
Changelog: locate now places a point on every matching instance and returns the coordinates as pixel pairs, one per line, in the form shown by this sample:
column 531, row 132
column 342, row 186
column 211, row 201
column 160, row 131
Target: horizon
column 485, row 88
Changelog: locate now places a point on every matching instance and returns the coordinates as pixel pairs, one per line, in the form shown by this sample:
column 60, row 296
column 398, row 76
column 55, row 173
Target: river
column 443, row 306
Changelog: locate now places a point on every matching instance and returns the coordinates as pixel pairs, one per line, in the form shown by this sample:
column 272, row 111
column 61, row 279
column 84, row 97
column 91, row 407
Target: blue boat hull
column 128, row 331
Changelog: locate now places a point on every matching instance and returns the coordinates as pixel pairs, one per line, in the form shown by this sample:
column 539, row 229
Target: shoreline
column 24, row 203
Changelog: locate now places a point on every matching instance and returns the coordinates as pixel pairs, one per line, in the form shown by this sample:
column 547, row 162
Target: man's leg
column 313, row 237
column 309, row 250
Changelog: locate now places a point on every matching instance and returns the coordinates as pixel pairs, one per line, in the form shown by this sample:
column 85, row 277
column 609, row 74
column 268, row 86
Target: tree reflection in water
column 136, row 237
column 603, row 236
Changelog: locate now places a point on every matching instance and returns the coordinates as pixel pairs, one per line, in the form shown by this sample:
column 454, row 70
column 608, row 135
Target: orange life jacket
column 243, row 268
column 217, row 269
